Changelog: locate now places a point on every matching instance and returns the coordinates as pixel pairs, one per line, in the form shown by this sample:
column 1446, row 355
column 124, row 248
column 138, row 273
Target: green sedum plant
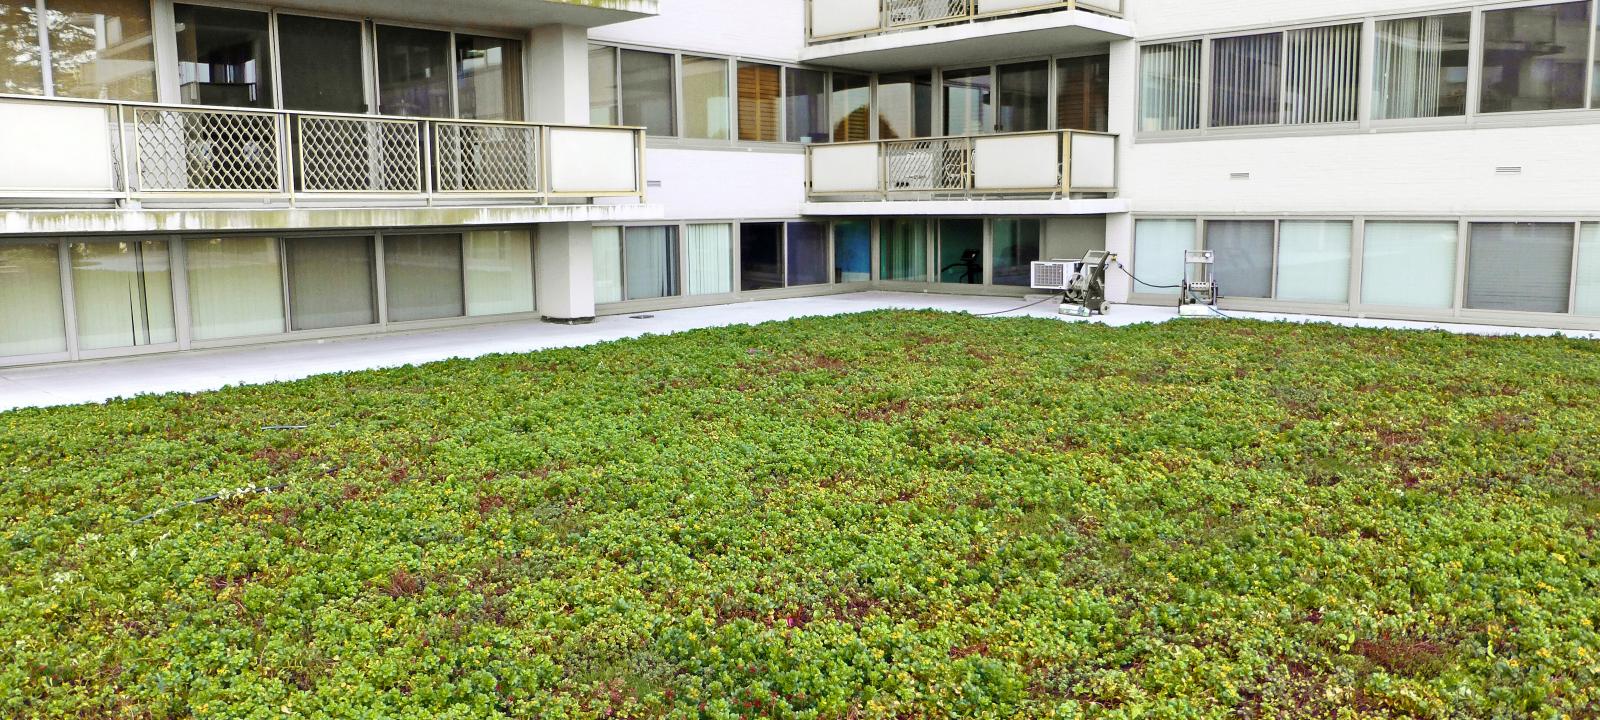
column 894, row 514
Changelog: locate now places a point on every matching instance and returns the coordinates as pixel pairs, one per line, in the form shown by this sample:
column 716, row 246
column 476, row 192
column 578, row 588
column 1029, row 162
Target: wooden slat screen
column 760, row 93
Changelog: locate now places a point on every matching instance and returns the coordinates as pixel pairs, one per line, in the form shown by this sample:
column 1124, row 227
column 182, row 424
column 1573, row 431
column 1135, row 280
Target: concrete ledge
column 968, row 208
column 56, row 222
column 1045, row 33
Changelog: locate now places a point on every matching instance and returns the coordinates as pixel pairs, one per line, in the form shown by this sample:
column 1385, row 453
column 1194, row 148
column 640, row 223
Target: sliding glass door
column 33, row 322
column 122, row 292
column 413, row 72
column 331, row 282
column 235, row 287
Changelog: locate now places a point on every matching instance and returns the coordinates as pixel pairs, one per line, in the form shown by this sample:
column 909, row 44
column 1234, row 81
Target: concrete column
column 1119, row 242
column 558, row 74
column 564, row 270
column 1122, row 118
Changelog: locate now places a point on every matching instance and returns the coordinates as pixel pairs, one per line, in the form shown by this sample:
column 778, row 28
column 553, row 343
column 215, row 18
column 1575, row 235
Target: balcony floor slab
column 965, row 208
column 147, row 220
column 1048, row 33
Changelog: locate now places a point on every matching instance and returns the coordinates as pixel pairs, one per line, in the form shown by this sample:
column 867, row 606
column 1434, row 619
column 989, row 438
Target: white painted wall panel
column 1414, row 173
column 721, row 184
column 1017, row 162
column 1094, row 161
column 772, row 29
column 841, row 17
column 55, row 147
column 845, row 168
column 595, row 160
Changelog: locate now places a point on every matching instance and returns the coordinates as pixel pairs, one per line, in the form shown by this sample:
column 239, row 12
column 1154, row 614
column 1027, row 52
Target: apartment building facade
column 191, row 175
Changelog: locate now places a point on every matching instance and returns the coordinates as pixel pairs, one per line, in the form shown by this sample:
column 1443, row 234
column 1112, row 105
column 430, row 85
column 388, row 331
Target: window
column 1535, row 58
column 30, row 291
column 903, row 250
column 760, row 256
column 851, row 107
column 706, row 107
column 647, row 92
column 1421, row 67
column 1083, row 87
column 905, row 106
column 806, row 106
column 22, row 73
column 1314, row 261
column 1323, row 74
column 852, row 251
column 224, row 56
column 331, row 282
column 123, row 294
column 1016, row 247
column 603, row 86
column 488, row 78
column 1024, row 97
column 1588, row 290
column 1158, row 247
column 807, row 253
column 759, row 99
column 961, row 251
column 1409, row 264
column 1520, row 266
column 1244, row 256
column 235, row 287
column 499, row 272
column 710, row 259
column 968, row 102
column 635, row 263
column 1245, row 80
column 1169, row 86
column 320, row 61
column 422, row 277
column 101, row 49
column 413, row 72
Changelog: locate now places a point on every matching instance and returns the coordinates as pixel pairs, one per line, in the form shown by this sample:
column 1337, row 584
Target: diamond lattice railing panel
column 928, row 164
column 913, row 12
column 487, row 158
column 207, row 150
column 341, row 154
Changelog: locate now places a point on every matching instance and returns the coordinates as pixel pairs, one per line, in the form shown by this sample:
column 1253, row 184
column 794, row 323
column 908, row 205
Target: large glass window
column 320, row 63
column 1535, row 58
column 1421, row 67
column 1588, row 291
column 123, row 294
column 1158, row 247
column 499, row 272
column 22, row 73
column 905, row 106
column 807, row 253
column 903, row 250
column 413, row 72
column 330, row 282
column 102, row 49
column 224, row 56
column 852, row 251
column 650, row 262
column 760, row 95
column 851, row 107
column 1314, row 260
column 1244, row 256
column 706, row 108
column 1024, row 97
column 1409, row 264
column 968, row 102
column 607, row 265
column 235, row 287
column 961, row 251
column 806, row 106
column 603, row 86
column 1322, row 77
column 1016, row 247
column 760, row 256
column 422, row 276
column 647, row 91
column 1520, row 266
column 488, row 78
column 710, row 250
column 1083, row 87
column 30, row 292
column 1169, row 86
column 1246, row 77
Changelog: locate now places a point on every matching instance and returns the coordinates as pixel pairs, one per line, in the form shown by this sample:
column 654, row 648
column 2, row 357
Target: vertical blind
column 650, row 262
column 1520, row 266
column 1420, row 68
column 1588, row 293
column 607, row 265
column 498, row 271
column 710, row 259
column 1323, row 74
column 1244, row 256
column 1158, row 247
column 235, row 287
column 30, row 292
column 1314, row 260
column 1245, row 80
column 422, row 276
column 903, row 250
column 1169, row 86
column 331, row 282
column 1409, row 264
column 122, row 292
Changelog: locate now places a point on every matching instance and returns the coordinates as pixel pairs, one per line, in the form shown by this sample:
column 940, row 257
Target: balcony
column 87, row 154
column 1050, row 172
column 892, row 35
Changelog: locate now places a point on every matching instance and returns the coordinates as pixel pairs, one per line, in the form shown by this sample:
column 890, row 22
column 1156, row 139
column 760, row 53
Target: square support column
column 564, row 268
column 1122, row 118
column 558, row 74
column 1119, row 241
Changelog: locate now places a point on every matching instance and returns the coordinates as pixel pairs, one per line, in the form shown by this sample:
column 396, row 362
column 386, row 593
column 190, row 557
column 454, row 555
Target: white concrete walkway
column 211, row 369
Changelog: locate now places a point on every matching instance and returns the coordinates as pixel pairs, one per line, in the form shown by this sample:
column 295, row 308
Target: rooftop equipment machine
column 1199, row 298
column 1082, row 283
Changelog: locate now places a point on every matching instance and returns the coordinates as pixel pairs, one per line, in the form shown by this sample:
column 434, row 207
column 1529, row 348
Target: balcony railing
column 75, row 149
column 842, row 19
column 1056, row 164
